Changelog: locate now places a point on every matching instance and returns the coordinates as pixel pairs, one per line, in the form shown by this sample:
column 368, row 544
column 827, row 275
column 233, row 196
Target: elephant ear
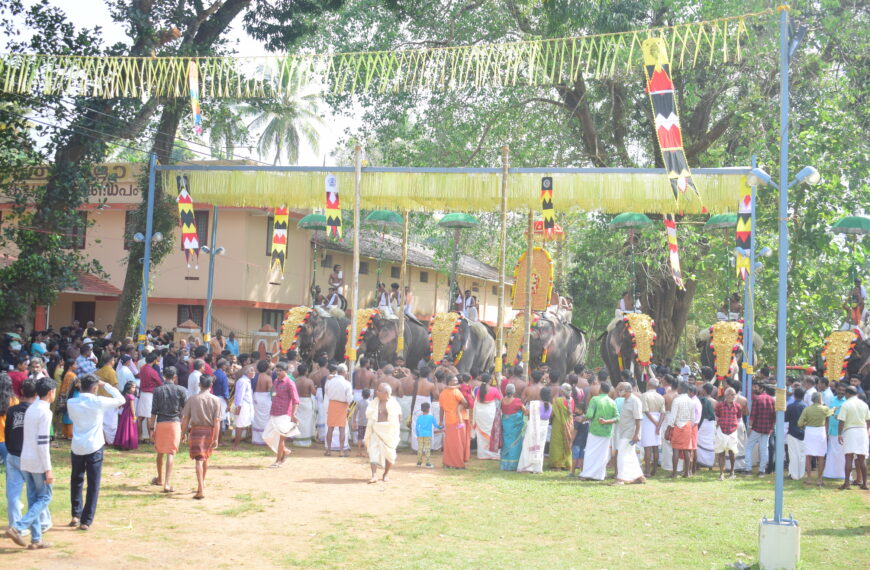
column 387, row 332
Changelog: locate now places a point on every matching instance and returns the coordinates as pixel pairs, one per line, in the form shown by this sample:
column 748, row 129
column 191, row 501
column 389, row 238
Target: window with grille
column 363, row 267
column 273, row 318
column 326, row 260
column 424, row 277
column 74, row 235
column 396, row 272
column 193, row 313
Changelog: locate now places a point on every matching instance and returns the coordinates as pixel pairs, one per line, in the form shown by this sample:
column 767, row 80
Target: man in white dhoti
column 243, row 405
column 854, row 421
column 602, row 414
column 384, row 417
column 814, row 421
column 795, row 438
column 628, row 435
column 262, row 399
column 653, row 407
column 835, row 458
column 706, row 454
column 306, row 412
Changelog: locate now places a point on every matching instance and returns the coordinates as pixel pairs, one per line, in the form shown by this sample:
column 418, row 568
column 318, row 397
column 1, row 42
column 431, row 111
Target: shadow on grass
column 841, row 532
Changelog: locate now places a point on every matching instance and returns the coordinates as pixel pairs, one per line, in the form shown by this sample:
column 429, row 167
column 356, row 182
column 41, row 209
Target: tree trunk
column 165, row 220
column 669, row 308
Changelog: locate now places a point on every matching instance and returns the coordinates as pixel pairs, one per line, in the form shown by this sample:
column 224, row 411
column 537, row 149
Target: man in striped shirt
column 36, row 466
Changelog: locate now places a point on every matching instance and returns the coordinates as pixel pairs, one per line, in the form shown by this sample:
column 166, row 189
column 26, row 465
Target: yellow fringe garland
column 363, row 320
column 456, row 192
column 542, row 280
column 292, row 326
column 514, row 339
column 838, row 349
column 442, row 327
column 641, row 327
column 725, row 338
column 533, row 62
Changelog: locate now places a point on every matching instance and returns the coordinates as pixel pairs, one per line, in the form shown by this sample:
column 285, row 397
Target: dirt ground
column 252, row 516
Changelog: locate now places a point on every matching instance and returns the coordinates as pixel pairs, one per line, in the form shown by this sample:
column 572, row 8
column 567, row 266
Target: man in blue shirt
column 835, row 460
column 425, row 423
column 221, row 389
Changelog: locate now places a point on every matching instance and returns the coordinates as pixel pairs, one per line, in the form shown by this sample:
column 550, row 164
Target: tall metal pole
column 499, row 330
column 749, row 306
column 782, row 310
column 146, row 260
column 210, row 293
column 400, row 346
column 357, row 179
column 527, row 335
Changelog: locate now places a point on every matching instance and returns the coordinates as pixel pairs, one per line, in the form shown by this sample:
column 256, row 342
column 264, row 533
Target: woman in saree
column 485, row 416
column 512, row 421
column 535, row 439
column 562, row 435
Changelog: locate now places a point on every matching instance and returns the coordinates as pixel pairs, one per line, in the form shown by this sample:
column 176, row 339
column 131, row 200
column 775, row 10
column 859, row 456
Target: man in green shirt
column 854, row 418
column 814, row 421
column 601, row 414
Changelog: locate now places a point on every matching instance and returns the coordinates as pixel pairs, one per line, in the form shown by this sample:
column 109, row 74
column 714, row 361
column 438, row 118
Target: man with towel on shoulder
column 854, row 419
column 338, row 394
column 382, row 431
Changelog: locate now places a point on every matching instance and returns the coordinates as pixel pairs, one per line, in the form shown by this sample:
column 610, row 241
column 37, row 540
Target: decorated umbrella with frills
column 631, row 221
column 457, row 222
column 316, row 223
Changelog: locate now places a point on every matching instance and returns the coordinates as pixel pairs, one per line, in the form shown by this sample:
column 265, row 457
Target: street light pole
column 210, row 293
column 146, row 259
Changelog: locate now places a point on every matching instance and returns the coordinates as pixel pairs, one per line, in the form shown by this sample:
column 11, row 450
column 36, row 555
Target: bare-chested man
column 318, row 375
column 422, row 391
column 515, row 378
column 741, row 401
column 363, row 377
column 533, row 390
column 306, row 412
column 292, row 362
column 385, row 374
column 262, row 401
column 400, row 367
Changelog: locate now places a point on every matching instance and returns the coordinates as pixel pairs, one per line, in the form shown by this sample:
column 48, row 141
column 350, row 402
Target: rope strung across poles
column 533, row 62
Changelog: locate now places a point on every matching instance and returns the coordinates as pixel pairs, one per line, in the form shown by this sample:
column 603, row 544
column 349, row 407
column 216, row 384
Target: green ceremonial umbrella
column 385, row 218
column 457, row 221
column 854, row 225
column 631, row 220
column 316, row 222
column 721, row 222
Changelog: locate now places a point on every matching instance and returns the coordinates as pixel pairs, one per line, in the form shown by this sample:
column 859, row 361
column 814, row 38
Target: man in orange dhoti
column 683, row 437
column 454, row 418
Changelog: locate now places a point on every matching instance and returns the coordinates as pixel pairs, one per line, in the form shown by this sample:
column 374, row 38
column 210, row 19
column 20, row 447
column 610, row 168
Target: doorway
column 84, row 311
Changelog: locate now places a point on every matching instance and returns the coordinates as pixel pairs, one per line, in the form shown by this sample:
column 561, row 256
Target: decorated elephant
column 556, row 343
column 380, row 341
column 470, row 345
column 628, row 345
column 311, row 333
column 721, row 348
column 845, row 356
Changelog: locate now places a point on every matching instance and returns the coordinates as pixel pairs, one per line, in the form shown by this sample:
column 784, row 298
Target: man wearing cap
column 854, row 420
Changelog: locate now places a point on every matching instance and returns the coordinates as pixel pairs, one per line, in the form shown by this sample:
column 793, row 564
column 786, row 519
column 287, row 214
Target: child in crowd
column 360, row 421
column 126, row 436
column 425, row 422
column 581, row 433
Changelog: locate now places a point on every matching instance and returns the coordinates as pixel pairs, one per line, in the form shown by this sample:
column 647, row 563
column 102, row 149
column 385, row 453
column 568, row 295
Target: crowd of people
column 82, row 385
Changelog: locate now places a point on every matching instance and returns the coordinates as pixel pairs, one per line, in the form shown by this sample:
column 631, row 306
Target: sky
column 90, row 13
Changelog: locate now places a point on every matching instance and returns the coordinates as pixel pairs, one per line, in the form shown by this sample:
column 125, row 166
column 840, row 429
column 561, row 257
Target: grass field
column 318, row 512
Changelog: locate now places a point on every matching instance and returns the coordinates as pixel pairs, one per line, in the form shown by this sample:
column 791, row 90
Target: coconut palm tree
column 283, row 124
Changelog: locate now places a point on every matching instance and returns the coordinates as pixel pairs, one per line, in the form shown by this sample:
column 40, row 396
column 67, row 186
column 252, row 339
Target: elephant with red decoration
column 618, row 354
column 471, row 348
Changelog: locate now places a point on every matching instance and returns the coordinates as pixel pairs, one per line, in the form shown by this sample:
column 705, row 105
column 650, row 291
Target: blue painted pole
column 146, row 259
column 211, row 256
column 749, row 305
column 782, row 309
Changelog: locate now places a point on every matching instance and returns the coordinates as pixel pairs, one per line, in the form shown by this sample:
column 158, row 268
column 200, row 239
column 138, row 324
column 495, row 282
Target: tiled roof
column 87, row 284
column 389, row 248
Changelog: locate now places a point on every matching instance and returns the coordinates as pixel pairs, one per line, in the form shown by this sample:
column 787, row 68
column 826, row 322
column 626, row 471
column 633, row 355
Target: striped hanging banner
column 189, row 236
column 333, row 208
column 196, row 107
column 279, row 239
column 674, row 250
column 744, row 231
column 667, row 118
column 547, row 207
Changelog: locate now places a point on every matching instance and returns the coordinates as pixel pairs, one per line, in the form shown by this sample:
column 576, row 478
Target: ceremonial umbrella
column 316, row 223
column 457, row 221
column 632, row 221
column 722, row 222
column 382, row 219
column 854, row 226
